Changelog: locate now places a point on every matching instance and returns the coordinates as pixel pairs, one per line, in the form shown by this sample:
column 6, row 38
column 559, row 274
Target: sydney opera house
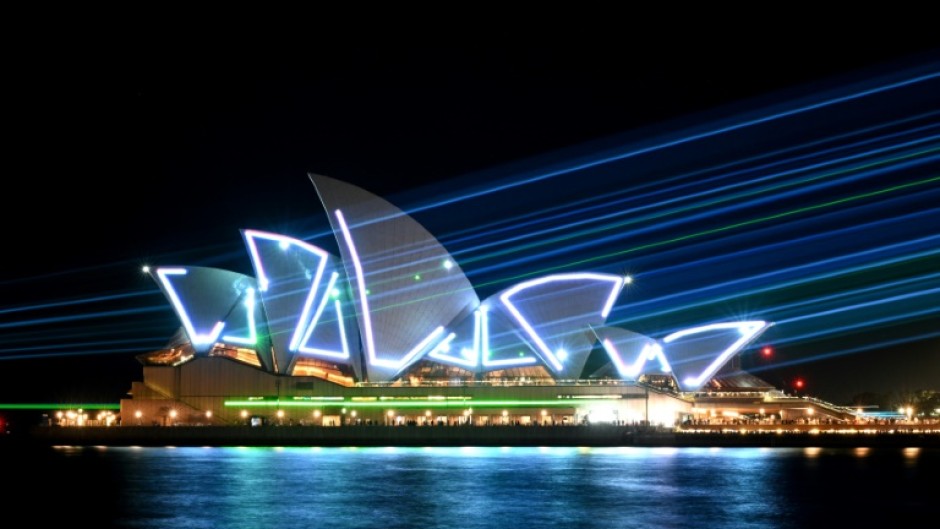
column 391, row 331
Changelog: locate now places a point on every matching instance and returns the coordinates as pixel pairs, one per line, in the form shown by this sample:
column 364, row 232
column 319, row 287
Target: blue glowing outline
column 485, row 353
column 540, row 344
column 360, row 286
column 319, row 312
column 443, row 346
column 440, row 351
column 252, row 338
column 748, row 329
column 195, row 338
column 264, row 282
column 304, row 348
column 364, row 303
column 651, row 351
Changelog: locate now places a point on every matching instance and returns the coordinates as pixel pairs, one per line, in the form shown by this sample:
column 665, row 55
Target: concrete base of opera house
column 581, row 435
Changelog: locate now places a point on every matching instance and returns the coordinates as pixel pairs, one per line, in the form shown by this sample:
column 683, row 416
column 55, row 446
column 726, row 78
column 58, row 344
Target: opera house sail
column 393, row 311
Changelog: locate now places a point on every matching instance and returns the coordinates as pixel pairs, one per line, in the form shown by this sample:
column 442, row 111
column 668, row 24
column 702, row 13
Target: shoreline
column 587, row 436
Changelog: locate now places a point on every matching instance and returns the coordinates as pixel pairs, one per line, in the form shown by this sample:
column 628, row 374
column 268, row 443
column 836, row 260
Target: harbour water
column 472, row 487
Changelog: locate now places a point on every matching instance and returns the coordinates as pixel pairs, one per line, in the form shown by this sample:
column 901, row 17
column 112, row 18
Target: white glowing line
column 439, row 348
column 748, row 330
column 614, row 355
column 285, row 242
column 546, row 351
column 252, row 332
column 651, row 351
column 618, row 286
column 194, row 337
column 344, row 355
column 656, row 352
column 483, row 331
column 305, row 313
column 360, row 286
column 363, row 300
column 319, row 312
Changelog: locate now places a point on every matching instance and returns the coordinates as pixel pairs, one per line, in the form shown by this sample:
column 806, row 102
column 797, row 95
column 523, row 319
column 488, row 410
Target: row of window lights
column 173, row 414
column 391, row 413
column 81, row 417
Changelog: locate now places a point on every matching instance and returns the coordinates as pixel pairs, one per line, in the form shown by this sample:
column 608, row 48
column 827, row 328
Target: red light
column 798, row 383
column 767, row 351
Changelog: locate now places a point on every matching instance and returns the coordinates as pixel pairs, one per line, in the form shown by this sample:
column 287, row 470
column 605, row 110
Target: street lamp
column 138, row 414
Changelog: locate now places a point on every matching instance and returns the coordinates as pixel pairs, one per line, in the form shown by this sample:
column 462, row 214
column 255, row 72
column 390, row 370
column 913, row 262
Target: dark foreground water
column 471, row 487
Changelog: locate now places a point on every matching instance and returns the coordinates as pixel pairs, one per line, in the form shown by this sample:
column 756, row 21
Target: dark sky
column 135, row 146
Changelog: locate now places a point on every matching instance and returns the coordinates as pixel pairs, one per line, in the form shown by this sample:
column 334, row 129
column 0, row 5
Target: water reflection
column 472, row 487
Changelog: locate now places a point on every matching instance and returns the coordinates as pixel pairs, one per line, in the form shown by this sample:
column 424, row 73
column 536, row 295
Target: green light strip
column 553, row 403
column 57, row 406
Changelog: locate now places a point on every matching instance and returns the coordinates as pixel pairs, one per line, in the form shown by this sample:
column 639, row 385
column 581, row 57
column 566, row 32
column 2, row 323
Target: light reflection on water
column 339, row 488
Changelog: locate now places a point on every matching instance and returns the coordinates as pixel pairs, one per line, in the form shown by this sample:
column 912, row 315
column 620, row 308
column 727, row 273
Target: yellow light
column 173, row 414
column 208, row 414
column 354, row 413
column 762, row 411
column 138, row 414
column 810, row 411
column 280, row 414
column 505, row 413
column 316, row 413
column 391, row 413
column 427, row 413
column 244, row 414
column 544, row 413
column 58, row 415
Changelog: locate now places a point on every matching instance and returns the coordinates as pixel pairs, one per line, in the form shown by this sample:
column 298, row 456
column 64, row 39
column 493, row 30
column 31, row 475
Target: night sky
column 130, row 147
